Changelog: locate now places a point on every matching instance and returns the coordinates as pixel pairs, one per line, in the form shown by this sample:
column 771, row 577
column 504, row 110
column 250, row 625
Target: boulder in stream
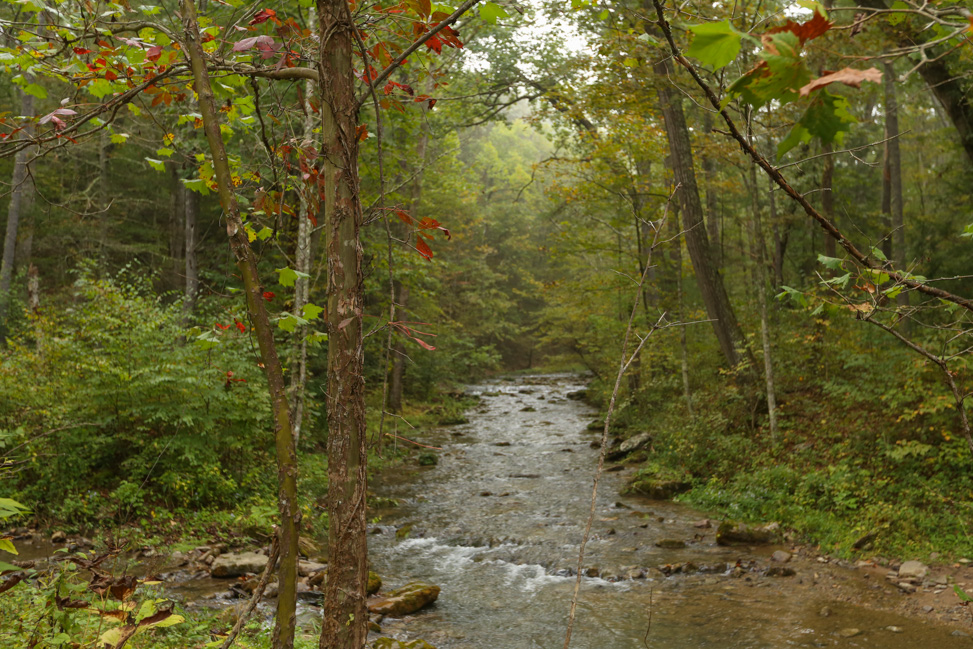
column 408, row 599
column 730, row 533
column 629, row 445
column 237, row 564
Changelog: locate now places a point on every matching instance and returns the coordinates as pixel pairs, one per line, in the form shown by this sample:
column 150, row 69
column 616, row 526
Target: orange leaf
column 805, row 31
column 848, row 76
column 424, row 249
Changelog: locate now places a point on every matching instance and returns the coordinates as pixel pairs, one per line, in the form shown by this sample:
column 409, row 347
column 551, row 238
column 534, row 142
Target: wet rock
column 633, row 572
column 392, row 643
column 927, row 609
column 374, row 583
column 528, row 409
column 577, row 395
column 595, row 444
column 849, row 632
column 238, row 564
column 960, row 634
column 597, row 424
column 178, row 558
column 657, row 488
column 305, row 568
column 781, row 571
column 670, row 544
column 730, row 533
column 704, row 524
column 592, row 572
column 59, row 537
column 913, row 570
column 501, row 443
column 631, row 444
column 780, row 556
column 825, row 612
column 486, row 493
column 428, row 459
column 906, row 587
column 894, row 629
column 408, row 599
column 310, row 596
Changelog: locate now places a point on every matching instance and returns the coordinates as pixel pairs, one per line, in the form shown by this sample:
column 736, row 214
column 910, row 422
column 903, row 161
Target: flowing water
column 497, row 524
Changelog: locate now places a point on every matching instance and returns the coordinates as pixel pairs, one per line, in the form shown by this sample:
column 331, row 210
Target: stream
column 497, row 525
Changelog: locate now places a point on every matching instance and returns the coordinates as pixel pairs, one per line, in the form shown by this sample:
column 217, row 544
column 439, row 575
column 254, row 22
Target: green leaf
column 197, row 185
column 119, row 138
column 158, row 165
column 265, row 233
column 311, row 311
column 967, row 231
column 35, row 90
column 6, row 545
column 491, row 11
column 165, row 152
column 289, row 322
column 100, row 88
column 715, row 44
column 832, row 263
column 963, row 597
column 896, row 18
column 287, row 276
column 827, row 118
column 4, row 566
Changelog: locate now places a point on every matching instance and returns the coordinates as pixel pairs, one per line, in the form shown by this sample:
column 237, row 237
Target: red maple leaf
column 268, row 296
column 240, row 326
column 805, row 31
column 263, row 16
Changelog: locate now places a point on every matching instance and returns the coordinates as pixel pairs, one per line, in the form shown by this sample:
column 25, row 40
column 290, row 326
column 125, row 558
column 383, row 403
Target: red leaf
column 805, row 31
column 222, row 326
column 435, row 44
column 424, row 344
column 261, row 42
column 423, row 248
column 240, row 326
column 53, row 116
column 847, row 76
column 110, row 75
column 80, row 51
column 404, row 217
column 263, row 16
column 154, row 53
column 268, row 296
column 361, row 132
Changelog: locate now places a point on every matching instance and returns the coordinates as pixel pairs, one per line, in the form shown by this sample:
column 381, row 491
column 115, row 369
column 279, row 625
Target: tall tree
column 21, row 191
column 894, row 170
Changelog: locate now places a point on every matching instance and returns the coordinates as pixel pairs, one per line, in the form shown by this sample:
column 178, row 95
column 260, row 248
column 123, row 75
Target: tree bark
column 290, row 515
column 715, row 299
column 177, row 227
column 345, row 624
column 19, row 199
column 894, row 162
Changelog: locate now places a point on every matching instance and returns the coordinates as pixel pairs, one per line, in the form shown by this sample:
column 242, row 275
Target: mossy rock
column 374, row 583
column 391, row 643
column 453, row 420
column 657, row 488
column 408, row 599
column 732, row 533
column 428, row 459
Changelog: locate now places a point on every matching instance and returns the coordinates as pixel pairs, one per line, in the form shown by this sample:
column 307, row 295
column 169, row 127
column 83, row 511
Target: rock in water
column 374, row 583
column 781, row 557
column 408, row 599
column 235, row 565
column 391, row 643
column 913, row 570
column 629, row 445
column 730, row 533
column 670, row 544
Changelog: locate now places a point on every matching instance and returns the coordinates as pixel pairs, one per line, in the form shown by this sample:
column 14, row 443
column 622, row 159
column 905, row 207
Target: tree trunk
column 177, row 227
column 758, row 250
column 398, row 355
column 676, row 311
column 780, row 240
column 895, row 184
column 302, row 283
column 827, row 198
column 290, row 514
column 345, row 624
column 712, row 204
column 19, row 199
column 715, row 299
column 191, row 214
column 104, row 184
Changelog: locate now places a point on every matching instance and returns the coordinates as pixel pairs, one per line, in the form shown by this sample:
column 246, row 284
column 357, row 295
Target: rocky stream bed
column 490, row 532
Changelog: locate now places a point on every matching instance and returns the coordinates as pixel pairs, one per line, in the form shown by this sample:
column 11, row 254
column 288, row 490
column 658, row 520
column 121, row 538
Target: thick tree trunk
column 290, row 514
column 715, row 299
column 20, row 193
column 827, row 198
column 894, row 163
column 345, row 624
column 191, row 215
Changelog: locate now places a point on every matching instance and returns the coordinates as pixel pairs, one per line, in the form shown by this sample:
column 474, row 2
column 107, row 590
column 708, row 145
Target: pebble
column 850, row 632
column 781, row 557
column 894, row 629
column 927, row 609
column 825, row 612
